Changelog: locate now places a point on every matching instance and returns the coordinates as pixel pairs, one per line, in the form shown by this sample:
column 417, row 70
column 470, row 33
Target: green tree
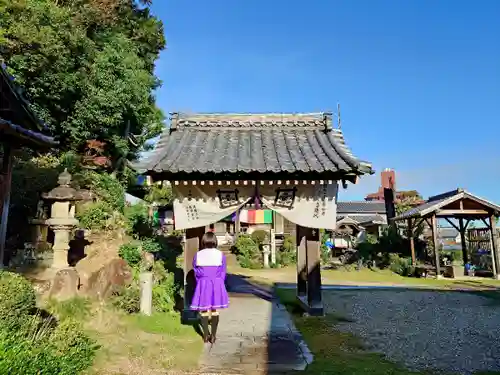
column 407, row 203
column 87, row 67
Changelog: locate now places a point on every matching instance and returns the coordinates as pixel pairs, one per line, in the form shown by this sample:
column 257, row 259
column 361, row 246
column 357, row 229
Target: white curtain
column 308, row 205
column 201, row 205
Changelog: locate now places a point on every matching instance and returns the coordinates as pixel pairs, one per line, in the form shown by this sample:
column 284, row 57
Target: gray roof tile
column 351, row 207
column 229, row 144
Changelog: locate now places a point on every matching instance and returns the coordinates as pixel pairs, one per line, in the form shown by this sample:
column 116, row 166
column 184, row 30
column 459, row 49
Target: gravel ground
column 424, row 330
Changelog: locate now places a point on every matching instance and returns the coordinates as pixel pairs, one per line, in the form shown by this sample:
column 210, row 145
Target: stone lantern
column 62, row 219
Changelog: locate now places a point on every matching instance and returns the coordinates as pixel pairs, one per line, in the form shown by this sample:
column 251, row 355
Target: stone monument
column 62, row 219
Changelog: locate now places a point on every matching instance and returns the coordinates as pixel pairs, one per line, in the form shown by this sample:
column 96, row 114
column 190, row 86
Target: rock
column 65, row 284
column 102, row 282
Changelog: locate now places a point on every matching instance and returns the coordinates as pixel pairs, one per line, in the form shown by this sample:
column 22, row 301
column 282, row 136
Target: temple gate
column 291, row 163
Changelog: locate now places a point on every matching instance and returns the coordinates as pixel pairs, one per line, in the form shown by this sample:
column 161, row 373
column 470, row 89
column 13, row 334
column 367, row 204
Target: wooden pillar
column 412, row 243
column 435, row 243
column 236, row 224
column 301, row 241
column 5, row 188
column 463, row 228
column 495, row 256
column 193, row 239
column 314, row 293
column 309, row 270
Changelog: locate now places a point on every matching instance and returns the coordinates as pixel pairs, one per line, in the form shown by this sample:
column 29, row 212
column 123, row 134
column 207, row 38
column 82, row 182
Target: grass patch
column 77, row 308
column 136, row 344
column 133, row 344
column 348, row 275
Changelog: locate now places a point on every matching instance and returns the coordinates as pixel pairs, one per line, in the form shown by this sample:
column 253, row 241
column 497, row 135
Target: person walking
column 210, row 295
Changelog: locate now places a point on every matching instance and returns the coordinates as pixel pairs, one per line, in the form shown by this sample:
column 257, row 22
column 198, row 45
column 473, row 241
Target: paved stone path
column 256, row 335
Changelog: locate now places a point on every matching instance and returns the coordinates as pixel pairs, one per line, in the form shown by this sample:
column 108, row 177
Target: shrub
column 43, row 349
column 131, row 253
column 128, row 298
column 248, row 253
column 151, row 245
column 108, row 188
column 137, row 221
column 17, row 296
column 260, row 236
column 401, row 266
column 159, row 194
column 288, row 253
column 325, row 251
column 455, row 257
column 95, row 215
column 164, row 289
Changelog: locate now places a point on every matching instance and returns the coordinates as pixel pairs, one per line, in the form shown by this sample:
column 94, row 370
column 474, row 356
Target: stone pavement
column 256, row 335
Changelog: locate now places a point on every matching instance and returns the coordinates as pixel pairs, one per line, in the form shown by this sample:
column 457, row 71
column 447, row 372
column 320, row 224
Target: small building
column 289, row 163
column 19, row 127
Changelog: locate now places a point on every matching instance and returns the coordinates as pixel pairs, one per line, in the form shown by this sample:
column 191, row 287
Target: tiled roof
column 448, row 232
column 28, row 137
column 348, row 207
column 362, row 219
column 260, row 143
column 437, row 202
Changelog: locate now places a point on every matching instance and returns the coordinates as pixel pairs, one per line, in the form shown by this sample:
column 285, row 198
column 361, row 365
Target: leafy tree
column 408, row 202
column 87, row 67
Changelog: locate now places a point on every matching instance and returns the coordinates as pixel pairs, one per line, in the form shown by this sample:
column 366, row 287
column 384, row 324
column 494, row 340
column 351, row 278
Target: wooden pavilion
column 458, row 205
column 290, row 163
column 19, row 127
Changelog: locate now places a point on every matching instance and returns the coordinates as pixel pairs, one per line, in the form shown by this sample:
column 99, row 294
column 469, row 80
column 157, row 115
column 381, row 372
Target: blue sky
column 418, row 80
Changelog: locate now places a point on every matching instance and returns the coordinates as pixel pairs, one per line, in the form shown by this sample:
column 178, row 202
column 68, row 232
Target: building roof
column 448, row 232
column 350, row 207
column 17, row 120
column 362, row 219
column 438, row 202
column 232, row 144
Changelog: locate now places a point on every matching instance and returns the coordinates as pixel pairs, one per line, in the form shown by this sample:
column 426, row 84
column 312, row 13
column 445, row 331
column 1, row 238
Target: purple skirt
column 210, row 294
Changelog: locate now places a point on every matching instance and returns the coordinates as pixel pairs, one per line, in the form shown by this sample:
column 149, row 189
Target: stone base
column 314, row 310
column 189, row 317
column 65, row 284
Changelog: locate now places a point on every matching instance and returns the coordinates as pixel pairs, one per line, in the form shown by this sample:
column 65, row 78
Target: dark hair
column 208, row 241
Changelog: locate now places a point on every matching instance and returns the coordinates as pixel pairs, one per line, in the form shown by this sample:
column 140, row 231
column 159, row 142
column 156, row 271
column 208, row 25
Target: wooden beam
column 435, row 242
column 495, row 255
column 237, row 225
column 452, row 223
column 486, row 223
column 461, row 212
column 462, row 230
column 193, row 240
column 301, row 263
column 412, row 243
column 5, row 188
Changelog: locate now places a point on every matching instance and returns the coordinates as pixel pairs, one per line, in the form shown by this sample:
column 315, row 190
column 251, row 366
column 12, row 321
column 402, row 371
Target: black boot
column 215, row 324
column 204, row 327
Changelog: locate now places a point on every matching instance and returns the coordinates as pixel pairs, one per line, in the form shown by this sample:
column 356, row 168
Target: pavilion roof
column 229, row 145
column 446, row 205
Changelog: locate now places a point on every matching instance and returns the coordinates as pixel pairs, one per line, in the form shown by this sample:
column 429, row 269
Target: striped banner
column 256, row 216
